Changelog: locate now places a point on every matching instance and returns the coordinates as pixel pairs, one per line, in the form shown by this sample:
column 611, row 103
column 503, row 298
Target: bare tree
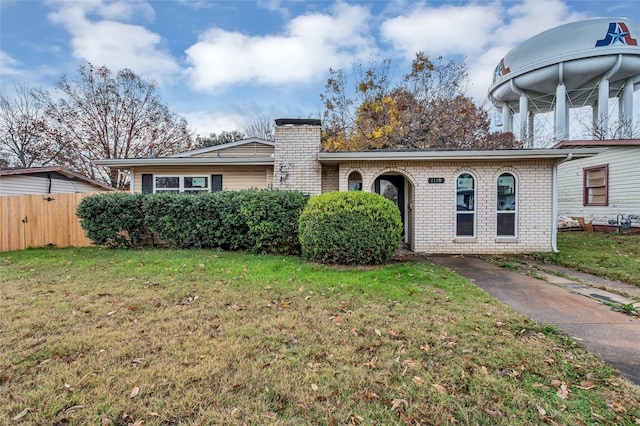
column 225, row 136
column 261, row 127
column 24, row 137
column 101, row 115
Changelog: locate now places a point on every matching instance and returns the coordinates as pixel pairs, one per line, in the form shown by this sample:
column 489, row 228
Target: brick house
column 451, row 201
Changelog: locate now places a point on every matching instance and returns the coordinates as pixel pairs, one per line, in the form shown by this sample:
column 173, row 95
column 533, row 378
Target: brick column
column 296, row 166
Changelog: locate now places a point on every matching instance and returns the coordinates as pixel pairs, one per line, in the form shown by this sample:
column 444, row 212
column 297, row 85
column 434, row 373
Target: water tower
column 581, row 64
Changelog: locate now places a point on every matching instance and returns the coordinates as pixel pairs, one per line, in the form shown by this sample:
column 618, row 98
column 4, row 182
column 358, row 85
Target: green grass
column 607, row 255
column 91, row 336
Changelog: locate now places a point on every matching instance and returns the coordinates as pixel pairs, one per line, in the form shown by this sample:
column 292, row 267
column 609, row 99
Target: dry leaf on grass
column 134, row 392
column 418, row 380
column 74, row 409
column 586, row 385
column 439, row 388
column 397, row 403
column 314, row 387
column 563, row 391
column 21, row 414
column 271, row 415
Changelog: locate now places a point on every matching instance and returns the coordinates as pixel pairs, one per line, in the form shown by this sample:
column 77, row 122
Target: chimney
column 296, row 166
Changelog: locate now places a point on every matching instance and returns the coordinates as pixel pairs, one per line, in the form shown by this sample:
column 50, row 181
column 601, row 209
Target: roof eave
column 528, row 154
column 127, row 163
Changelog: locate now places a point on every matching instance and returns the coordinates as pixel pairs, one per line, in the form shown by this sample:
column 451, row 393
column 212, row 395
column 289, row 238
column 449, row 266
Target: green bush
column 350, row 228
column 259, row 221
column 114, row 219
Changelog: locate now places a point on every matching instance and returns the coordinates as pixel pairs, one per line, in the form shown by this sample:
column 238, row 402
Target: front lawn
column 607, row 255
column 92, row 336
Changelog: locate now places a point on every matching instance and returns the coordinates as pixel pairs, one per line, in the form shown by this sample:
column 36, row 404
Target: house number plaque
column 436, row 180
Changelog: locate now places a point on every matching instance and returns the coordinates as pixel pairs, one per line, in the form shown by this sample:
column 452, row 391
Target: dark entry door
column 391, row 187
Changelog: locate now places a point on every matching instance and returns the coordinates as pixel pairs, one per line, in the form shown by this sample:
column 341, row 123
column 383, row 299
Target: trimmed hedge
column 114, row 219
column 260, row 221
column 350, row 228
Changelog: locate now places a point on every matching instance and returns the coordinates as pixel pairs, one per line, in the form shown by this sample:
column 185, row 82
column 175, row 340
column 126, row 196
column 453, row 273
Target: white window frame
column 513, row 212
column 181, row 189
column 475, row 206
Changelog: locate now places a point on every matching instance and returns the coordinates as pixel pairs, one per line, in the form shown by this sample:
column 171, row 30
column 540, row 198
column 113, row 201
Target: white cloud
column 205, row 123
column 308, row 46
column 9, row 65
column 106, row 41
column 442, row 30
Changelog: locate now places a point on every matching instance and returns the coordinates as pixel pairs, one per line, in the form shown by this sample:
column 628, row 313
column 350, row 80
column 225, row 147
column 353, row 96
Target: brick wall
column 432, row 214
column 296, row 165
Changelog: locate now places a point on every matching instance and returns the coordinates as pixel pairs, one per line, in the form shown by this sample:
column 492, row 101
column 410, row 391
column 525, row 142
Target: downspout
column 554, row 209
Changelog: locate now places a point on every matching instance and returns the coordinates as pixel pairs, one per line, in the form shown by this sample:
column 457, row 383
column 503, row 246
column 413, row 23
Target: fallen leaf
column 492, row 413
column 21, row 414
column 418, row 380
column 439, row 388
column 74, row 409
column 134, row 392
column 271, row 415
column 396, row 403
column 556, row 383
column 138, row 423
column 106, row 421
column 314, row 387
column 133, row 308
column 110, row 313
column 425, row 348
column 597, row 416
column 541, row 411
column 586, row 385
column 563, row 391
column 377, row 332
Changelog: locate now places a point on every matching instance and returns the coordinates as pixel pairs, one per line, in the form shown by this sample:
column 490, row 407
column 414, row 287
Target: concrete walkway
column 574, row 307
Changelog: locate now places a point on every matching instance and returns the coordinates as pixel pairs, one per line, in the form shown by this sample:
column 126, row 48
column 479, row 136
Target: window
column 355, row 181
column 596, row 185
column 186, row 184
column 465, row 205
column 506, row 206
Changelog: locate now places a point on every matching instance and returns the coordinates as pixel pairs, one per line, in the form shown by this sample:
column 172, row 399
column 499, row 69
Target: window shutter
column 216, row 183
column 147, row 184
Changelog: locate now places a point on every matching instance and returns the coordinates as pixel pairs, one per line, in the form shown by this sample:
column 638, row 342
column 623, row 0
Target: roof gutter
column 554, row 209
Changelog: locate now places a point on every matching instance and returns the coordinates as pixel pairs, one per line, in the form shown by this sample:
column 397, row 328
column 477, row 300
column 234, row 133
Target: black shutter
column 216, row 183
column 147, row 184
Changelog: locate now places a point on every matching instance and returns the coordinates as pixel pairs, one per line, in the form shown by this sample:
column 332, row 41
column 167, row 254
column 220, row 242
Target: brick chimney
column 296, row 166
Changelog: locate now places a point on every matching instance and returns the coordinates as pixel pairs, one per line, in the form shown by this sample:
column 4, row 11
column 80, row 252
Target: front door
column 391, row 187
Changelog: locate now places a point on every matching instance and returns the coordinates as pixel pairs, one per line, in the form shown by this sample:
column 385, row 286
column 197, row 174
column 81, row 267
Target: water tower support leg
column 603, row 109
column 561, row 129
column 625, row 110
column 507, row 118
column 524, row 114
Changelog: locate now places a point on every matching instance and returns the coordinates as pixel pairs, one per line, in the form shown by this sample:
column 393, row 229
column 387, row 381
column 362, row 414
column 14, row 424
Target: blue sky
column 223, row 63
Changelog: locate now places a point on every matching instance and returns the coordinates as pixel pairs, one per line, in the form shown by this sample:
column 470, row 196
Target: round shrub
column 350, row 228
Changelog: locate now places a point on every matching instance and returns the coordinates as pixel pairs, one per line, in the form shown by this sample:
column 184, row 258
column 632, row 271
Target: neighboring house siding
column 432, row 217
column 25, row 184
column 623, row 185
column 233, row 178
column 253, row 149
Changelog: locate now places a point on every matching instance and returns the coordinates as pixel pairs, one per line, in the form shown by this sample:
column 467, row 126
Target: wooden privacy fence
column 41, row 219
